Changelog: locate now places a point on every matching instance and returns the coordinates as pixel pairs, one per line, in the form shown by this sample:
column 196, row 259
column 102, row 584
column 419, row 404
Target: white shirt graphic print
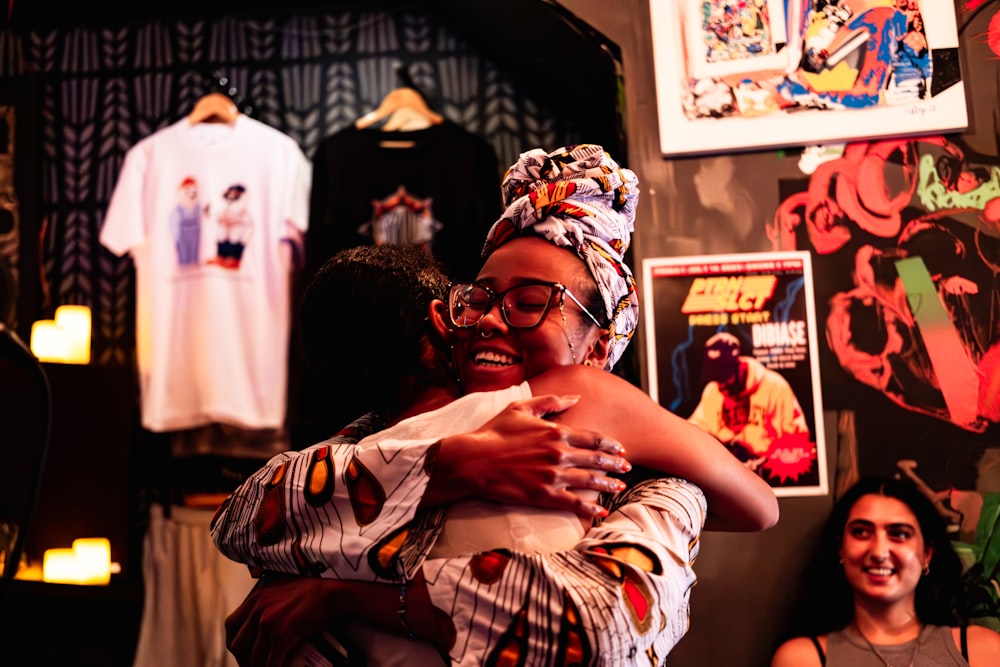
column 207, row 212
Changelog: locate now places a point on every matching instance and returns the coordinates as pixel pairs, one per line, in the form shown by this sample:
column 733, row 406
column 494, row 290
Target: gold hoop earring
column 586, row 362
column 926, row 570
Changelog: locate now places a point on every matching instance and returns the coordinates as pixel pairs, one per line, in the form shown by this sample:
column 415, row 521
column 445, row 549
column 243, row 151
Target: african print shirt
column 619, row 596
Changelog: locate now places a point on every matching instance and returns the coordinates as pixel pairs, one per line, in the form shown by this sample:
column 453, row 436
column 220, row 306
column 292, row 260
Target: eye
column 900, row 533
column 473, row 298
column 530, row 298
column 859, row 532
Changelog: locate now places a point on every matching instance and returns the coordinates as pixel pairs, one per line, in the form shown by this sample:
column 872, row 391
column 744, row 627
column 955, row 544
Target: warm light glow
column 48, row 341
column 75, row 321
column 59, row 566
column 93, row 556
column 66, row 339
column 88, row 562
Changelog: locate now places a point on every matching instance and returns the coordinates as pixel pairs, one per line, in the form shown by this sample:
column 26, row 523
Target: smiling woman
column 884, row 588
column 502, row 331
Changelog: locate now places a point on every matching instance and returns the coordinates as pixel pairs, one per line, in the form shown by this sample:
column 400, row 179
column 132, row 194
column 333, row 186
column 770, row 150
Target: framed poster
column 735, row 75
column 731, row 346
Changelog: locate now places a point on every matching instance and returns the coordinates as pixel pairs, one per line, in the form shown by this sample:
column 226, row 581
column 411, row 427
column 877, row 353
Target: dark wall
column 724, row 204
column 741, row 602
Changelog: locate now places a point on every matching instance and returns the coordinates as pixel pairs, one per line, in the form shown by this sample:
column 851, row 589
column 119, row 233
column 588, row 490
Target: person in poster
column 750, row 408
column 731, row 347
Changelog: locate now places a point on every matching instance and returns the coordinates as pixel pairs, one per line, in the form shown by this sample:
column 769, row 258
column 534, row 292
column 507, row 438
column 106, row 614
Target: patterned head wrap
column 578, row 198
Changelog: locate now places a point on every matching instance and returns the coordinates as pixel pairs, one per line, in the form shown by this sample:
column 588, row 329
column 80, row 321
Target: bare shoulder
column 582, row 377
column 984, row 645
column 798, row 652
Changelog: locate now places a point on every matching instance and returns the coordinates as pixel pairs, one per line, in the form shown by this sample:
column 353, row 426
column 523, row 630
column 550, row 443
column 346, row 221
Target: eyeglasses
column 522, row 306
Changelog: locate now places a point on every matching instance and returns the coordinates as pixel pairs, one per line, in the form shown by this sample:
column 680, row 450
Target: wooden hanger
column 414, row 114
column 214, row 108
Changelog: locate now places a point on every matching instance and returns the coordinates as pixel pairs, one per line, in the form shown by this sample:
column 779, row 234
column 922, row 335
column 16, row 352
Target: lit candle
column 93, row 555
column 48, row 341
column 88, row 562
column 75, row 322
column 60, row 566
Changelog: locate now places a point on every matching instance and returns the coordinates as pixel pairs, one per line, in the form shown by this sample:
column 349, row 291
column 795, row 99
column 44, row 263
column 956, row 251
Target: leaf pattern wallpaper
column 105, row 87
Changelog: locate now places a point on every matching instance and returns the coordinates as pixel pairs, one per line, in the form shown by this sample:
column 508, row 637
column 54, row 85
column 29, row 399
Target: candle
column 48, row 341
column 75, row 322
column 87, row 562
column 59, row 566
column 93, row 555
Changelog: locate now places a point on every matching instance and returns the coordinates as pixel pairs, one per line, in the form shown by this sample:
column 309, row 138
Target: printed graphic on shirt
column 185, row 223
column 402, row 219
column 233, row 228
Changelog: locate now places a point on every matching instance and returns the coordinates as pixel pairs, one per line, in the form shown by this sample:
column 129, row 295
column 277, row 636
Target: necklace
column 885, row 661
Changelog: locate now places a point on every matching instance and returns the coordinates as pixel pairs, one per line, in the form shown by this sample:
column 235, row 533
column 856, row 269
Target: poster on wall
column 731, row 347
column 735, row 75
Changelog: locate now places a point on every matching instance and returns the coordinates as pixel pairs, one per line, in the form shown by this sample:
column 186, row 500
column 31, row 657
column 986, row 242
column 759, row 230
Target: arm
column 343, row 511
column 622, row 591
column 281, row 612
column 333, row 494
column 984, row 646
column 656, row 438
column 798, row 652
column 522, row 459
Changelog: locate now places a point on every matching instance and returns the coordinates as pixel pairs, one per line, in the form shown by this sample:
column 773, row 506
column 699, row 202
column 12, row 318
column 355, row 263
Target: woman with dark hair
column 885, row 588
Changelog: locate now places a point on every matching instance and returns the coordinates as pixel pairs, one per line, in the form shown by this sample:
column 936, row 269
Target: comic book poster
column 752, row 74
column 731, row 347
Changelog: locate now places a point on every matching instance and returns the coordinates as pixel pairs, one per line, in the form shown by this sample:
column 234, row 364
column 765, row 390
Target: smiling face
column 883, row 550
column 493, row 355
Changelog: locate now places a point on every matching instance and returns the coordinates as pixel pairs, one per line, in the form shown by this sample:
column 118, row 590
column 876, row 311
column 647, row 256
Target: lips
column 880, row 571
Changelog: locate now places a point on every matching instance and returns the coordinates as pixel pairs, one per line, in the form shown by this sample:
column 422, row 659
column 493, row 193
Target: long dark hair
column 826, row 601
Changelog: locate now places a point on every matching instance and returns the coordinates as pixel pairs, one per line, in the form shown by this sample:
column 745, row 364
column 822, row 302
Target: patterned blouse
column 338, row 510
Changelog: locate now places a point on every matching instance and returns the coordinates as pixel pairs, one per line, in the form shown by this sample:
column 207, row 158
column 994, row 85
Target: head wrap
column 578, row 198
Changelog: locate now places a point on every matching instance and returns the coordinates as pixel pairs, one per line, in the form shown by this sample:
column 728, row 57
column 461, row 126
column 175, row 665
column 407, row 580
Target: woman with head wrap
column 547, row 298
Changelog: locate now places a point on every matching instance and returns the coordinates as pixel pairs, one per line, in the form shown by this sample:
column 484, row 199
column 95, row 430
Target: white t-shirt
column 211, row 214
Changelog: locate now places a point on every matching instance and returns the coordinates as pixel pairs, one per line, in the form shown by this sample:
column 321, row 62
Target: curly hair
column 364, row 322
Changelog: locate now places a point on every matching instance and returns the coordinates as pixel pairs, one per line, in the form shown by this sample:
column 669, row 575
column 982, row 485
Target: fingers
column 607, row 457
column 583, row 506
column 578, row 491
column 586, row 439
column 578, row 479
column 611, row 463
column 547, row 404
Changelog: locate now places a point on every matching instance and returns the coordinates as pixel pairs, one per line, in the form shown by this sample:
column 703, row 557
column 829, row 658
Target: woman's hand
column 520, row 458
column 277, row 616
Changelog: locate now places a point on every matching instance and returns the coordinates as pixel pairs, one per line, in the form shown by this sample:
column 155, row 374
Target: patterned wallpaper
column 103, row 88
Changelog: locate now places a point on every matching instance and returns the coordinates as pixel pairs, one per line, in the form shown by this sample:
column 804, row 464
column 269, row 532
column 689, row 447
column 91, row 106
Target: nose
column 880, row 549
column 492, row 322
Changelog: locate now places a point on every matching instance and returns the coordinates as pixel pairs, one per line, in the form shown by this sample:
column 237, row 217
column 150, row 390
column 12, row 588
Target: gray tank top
column 846, row 648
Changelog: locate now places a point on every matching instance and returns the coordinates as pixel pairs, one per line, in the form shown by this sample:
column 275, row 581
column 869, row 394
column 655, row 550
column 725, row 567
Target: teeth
column 880, row 571
column 494, row 358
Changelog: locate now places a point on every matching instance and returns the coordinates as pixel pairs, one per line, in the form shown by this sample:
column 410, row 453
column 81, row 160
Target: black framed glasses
column 522, row 306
